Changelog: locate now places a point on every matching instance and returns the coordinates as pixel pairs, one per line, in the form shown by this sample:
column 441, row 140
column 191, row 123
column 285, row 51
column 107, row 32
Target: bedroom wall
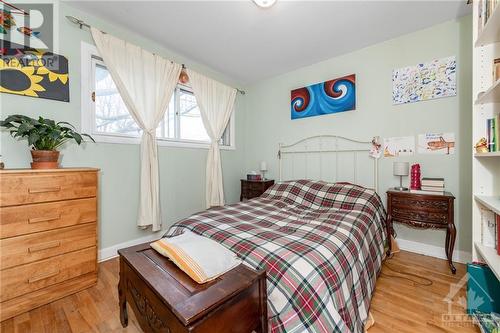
column 267, row 120
column 182, row 170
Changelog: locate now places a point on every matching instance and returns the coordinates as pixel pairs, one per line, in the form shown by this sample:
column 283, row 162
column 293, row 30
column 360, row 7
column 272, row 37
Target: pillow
column 199, row 257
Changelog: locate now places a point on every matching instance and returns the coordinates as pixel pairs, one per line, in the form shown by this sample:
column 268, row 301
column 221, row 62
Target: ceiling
column 247, row 43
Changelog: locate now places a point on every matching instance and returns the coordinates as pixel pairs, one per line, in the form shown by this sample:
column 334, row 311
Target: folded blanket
column 199, row 257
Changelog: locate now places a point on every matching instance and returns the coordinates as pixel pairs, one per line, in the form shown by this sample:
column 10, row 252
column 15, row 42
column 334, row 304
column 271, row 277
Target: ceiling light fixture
column 264, row 3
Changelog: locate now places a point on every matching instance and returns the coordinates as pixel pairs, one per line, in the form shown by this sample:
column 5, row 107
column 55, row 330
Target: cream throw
column 145, row 82
column 216, row 103
column 199, row 257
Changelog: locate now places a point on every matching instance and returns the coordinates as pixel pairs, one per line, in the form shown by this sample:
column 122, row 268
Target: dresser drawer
column 418, row 204
column 29, row 248
column 27, row 278
column 21, row 220
column 419, row 215
column 20, row 189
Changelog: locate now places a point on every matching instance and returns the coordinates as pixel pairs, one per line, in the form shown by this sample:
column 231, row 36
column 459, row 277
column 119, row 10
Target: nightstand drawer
column 420, row 215
column 256, row 186
column 409, row 203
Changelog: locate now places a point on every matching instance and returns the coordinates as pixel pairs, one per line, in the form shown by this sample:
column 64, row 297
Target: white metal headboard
column 321, row 154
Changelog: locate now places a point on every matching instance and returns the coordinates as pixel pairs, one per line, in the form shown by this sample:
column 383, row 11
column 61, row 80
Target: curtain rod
column 82, row 24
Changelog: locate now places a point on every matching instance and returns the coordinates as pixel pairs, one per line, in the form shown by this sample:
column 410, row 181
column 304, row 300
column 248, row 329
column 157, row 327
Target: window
column 105, row 116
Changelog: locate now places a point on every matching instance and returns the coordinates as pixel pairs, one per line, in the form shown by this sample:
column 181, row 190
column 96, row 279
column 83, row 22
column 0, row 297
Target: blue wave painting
column 328, row 97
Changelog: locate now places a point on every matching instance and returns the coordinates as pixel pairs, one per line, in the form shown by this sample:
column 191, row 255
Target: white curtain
column 216, row 103
column 145, row 82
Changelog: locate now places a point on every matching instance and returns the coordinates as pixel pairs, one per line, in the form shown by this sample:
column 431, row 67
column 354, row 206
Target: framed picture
column 34, row 73
column 435, row 79
column 334, row 96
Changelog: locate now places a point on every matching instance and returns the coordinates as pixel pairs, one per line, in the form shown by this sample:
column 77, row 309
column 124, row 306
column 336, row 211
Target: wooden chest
column 48, row 236
column 165, row 299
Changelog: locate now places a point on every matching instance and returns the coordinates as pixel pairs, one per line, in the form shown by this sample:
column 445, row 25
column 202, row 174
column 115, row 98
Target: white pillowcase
column 199, row 257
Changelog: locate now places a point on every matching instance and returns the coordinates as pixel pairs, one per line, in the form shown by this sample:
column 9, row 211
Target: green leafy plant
column 41, row 133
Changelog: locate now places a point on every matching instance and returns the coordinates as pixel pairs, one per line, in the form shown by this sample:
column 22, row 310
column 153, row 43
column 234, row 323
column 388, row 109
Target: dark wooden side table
column 424, row 211
column 254, row 188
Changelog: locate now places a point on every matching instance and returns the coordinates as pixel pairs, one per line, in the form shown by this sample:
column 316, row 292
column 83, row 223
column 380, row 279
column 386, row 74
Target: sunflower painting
column 34, row 73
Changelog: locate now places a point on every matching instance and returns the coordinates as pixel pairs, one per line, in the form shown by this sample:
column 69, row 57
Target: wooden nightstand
column 254, row 188
column 424, row 211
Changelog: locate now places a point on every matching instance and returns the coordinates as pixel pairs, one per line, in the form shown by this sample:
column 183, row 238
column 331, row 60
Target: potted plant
column 44, row 137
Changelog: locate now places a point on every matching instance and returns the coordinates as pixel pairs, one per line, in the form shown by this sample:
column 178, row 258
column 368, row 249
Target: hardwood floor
column 398, row 304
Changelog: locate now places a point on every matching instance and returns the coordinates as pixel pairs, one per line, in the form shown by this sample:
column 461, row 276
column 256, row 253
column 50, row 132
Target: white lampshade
column 263, row 166
column 401, row 168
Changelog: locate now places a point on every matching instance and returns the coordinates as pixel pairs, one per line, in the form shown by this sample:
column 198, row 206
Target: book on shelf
column 434, row 182
column 498, row 234
column 486, row 9
column 488, row 228
column 493, row 133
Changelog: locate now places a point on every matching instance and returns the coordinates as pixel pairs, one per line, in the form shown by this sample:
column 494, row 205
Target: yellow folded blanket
column 199, row 257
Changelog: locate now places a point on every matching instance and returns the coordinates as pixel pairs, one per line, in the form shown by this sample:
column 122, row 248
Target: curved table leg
column 389, row 234
column 451, row 233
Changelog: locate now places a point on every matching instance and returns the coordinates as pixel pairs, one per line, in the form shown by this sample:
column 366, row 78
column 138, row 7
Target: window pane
column 111, row 114
column 170, row 118
column 190, row 123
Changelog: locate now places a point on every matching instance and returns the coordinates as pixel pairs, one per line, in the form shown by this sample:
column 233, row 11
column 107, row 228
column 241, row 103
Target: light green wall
column 267, row 120
column 182, row 171
column 263, row 120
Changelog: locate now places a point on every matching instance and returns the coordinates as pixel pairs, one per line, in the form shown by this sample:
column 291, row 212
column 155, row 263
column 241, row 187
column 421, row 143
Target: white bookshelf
column 485, row 166
column 481, row 155
column 491, row 203
column 492, row 95
column 490, row 256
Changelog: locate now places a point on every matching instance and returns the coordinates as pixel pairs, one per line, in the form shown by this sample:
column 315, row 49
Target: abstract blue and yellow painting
column 337, row 95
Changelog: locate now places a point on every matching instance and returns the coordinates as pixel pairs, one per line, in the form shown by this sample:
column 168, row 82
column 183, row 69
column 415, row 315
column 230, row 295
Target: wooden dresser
column 48, row 236
column 424, row 211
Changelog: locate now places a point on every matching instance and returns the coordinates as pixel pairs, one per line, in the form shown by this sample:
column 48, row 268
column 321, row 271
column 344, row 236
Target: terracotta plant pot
column 45, row 159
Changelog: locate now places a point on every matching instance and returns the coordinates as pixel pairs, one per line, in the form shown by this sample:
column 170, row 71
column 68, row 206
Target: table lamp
column 263, row 169
column 401, row 169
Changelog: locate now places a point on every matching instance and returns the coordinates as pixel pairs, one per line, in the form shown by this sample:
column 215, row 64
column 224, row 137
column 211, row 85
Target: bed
column 321, row 245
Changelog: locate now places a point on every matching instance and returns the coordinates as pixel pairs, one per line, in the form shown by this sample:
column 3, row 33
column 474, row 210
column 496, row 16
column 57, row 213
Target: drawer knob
column 43, row 276
column 45, row 246
column 44, row 219
column 44, row 189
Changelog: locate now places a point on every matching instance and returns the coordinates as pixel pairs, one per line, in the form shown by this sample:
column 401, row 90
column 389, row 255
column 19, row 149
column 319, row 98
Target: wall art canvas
column 436, row 143
column 328, row 97
column 425, row 81
column 399, row 146
column 34, row 73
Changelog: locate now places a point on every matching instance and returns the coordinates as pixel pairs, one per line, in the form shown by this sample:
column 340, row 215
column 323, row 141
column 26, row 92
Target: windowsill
column 116, row 139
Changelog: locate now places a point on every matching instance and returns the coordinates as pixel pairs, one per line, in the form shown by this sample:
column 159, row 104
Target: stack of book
column 493, row 133
column 431, row 186
column 486, row 8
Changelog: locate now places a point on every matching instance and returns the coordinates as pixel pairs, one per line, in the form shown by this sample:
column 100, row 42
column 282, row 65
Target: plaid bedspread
column 321, row 245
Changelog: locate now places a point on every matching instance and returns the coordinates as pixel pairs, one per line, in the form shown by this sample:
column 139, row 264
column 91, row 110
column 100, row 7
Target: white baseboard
column 433, row 251
column 112, row 251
